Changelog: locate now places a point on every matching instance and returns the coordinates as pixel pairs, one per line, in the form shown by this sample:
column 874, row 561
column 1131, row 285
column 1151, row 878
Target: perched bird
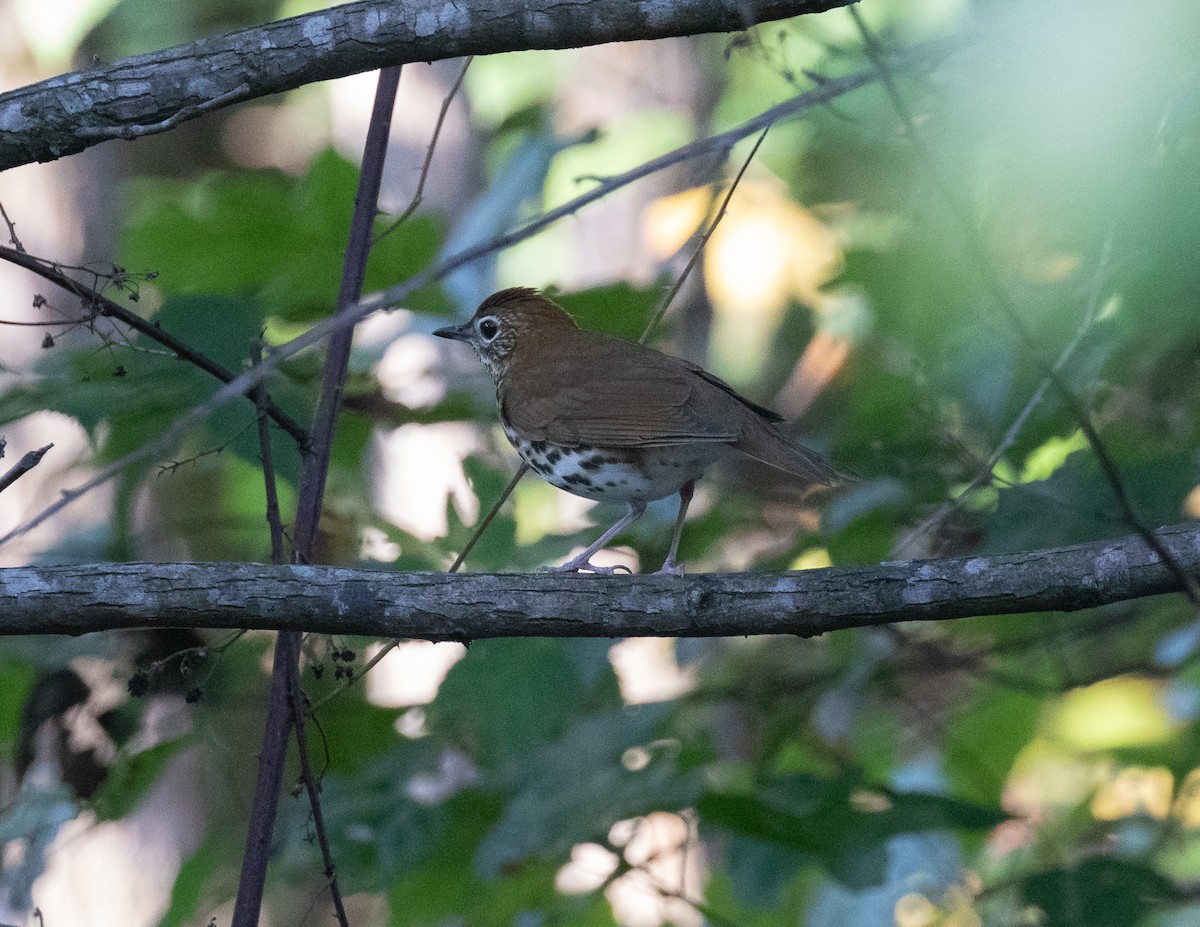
column 612, row 420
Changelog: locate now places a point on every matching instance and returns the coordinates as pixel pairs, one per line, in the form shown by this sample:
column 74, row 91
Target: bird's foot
column 584, row 565
column 670, row 568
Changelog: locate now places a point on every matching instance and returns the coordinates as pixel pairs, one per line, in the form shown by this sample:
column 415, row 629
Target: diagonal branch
column 153, row 93
column 977, row 249
column 470, row 606
column 102, row 305
column 245, row 382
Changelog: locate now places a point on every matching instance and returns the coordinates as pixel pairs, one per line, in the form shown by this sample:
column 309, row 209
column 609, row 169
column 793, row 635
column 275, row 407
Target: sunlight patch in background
column 417, row 468
column 767, row 252
column 1125, row 711
column 411, row 673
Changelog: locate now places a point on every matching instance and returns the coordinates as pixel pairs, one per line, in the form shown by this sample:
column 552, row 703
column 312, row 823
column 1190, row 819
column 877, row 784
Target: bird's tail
column 764, row 442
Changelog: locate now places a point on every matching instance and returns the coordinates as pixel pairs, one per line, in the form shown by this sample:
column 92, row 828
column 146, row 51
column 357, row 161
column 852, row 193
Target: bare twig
column 437, row 132
column 274, row 520
column 12, row 230
column 980, row 255
column 985, row 473
column 487, row 519
column 23, row 466
column 661, row 310
column 313, row 788
column 128, row 132
column 114, row 310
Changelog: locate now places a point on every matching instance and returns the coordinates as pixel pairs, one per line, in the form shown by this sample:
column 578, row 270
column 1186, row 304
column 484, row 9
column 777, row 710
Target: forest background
column 964, row 259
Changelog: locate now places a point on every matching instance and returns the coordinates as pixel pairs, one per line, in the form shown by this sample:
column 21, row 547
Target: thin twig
column 487, row 519
column 985, row 473
column 48, row 323
column 437, row 132
column 241, row 384
column 129, row 132
column 978, row 250
column 285, row 673
column 114, row 310
column 312, row 786
column 661, row 310
column 23, row 466
column 274, row 520
column 12, row 230
column 454, row 568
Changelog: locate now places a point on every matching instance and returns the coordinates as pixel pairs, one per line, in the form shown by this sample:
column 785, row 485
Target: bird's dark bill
column 454, row 333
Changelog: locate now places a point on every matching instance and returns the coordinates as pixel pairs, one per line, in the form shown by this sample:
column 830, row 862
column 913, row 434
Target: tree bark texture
column 155, row 92
column 438, row 606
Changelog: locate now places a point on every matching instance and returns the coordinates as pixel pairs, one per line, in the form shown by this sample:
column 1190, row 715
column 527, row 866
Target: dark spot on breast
column 577, row 479
column 553, row 456
column 539, row 446
column 610, row 483
column 592, row 463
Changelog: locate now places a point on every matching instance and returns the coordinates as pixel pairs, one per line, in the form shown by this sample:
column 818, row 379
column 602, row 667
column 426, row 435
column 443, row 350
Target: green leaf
column 131, row 777
column 1101, row 892
column 837, row 822
column 984, row 738
column 507, row 697
column 267, row 234
column 1080, row 498
column 619, row 309
column 578, row 787
column 207, row 877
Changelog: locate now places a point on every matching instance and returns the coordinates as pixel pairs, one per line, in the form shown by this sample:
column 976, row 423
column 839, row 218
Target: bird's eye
column 488, row 328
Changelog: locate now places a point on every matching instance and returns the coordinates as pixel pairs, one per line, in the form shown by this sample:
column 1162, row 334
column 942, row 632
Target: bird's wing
column 616, row 396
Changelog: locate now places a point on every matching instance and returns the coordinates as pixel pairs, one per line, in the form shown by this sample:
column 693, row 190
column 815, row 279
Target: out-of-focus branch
column 437, row 606
column 717, row 145
column 977, row 249
column 155, row 92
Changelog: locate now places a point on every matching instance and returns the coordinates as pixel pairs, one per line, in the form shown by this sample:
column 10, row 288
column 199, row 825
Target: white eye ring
column 488, row 327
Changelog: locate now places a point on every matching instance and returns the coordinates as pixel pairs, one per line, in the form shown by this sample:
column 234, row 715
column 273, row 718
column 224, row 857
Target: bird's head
column 508, row 322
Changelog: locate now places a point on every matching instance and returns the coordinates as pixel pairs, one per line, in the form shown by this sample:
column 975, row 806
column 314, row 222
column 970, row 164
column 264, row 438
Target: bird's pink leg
column 582, row 562
column 670, row 567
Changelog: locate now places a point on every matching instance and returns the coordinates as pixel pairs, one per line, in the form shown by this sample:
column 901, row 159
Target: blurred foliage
column 1007, row 770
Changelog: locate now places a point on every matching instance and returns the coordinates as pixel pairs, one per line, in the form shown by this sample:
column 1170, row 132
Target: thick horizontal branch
column 438, row 606
column 155, row 92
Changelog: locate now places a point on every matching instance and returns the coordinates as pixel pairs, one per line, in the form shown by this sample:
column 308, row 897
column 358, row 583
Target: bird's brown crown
column 516, row 315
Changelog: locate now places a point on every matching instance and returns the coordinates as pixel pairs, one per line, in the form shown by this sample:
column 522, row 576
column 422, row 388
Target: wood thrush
column 612, row 420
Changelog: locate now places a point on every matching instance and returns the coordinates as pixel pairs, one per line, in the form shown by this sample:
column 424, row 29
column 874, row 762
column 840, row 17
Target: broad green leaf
column 1099, row 892
column 506, row 698
column 575, row 789
column 132, row 776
